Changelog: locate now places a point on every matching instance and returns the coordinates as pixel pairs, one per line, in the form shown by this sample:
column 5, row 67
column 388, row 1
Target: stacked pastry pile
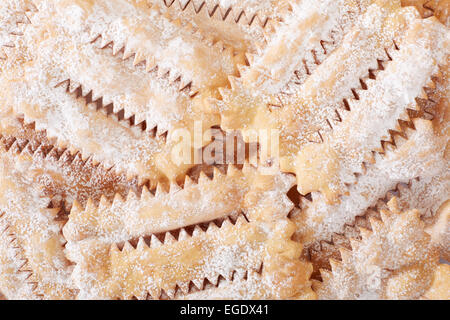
column 355, row 204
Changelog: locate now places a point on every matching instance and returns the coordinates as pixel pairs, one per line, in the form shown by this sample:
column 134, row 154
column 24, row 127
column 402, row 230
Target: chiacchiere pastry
column 351, row 201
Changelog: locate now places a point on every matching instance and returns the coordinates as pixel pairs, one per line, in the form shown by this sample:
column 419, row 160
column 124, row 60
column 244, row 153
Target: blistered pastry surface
column 393, row 260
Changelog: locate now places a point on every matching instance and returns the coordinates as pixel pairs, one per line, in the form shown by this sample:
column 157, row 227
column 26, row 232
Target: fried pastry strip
column 90, row 132
column 306, row 115
column 328, row 166
column 37, row 237
column 12, row 18
column 413, row 169
column 154, row 270
column 439, row 8
column 440, row 289
column 223, row 196
column 141, row 100
column 439, row 229
column 60, row 175
column 238, row 218
column 428, row 194
column 144, row 91
column 239, row 24
column 125, row 219
column 155, row 40
column 394, row 260
column 420, row 155
column 300, row 42
column 291, row 55
column 15, row 280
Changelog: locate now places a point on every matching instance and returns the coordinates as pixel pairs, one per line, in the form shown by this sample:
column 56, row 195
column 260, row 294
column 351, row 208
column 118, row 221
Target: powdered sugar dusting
column 391, row 95
column 391, row 262
column 320, row 220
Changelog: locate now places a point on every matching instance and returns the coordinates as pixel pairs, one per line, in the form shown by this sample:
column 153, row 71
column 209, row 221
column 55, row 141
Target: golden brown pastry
column 394, row 260
column 33, row 262
column 440, row 289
